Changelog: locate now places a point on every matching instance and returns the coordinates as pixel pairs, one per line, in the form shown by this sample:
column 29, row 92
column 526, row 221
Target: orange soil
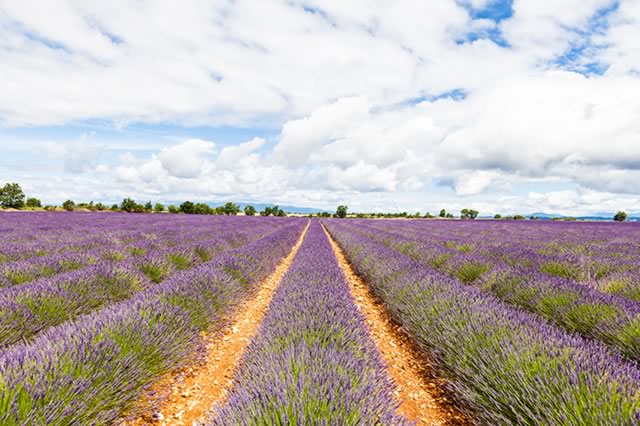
column 417, row 389
column 185, row 398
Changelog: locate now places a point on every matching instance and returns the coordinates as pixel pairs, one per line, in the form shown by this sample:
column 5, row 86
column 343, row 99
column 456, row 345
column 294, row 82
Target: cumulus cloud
column 377, row 104
column 186, row 160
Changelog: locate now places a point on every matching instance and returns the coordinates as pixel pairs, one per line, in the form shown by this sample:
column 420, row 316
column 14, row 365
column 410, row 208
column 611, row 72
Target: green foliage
column 68, row 205
column 620, row 217
column 273, row 211
column 11, row 196
column 249, row 211
column 443, row 213
column 173, row 209
column 341, row 211
column 115, row 208
column 187, row 207
column 469, row 272
column 158, row 208
column 128, row 205
column 33, row 202
column 498, row 216
column 148, row 207
column 468, row 214
column 562, row 269
column 231, row 208
column 202, row 208
column 100, row 207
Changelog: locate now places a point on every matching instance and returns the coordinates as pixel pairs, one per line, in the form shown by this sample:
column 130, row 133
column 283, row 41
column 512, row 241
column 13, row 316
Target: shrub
column 187, row 207
column 33, row 202
column 249, row 211
column 68, row 205
column 620, row 217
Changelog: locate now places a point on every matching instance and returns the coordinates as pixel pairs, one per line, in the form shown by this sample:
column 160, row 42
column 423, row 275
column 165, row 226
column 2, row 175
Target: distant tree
column 68, row 205
column 128, row 205
column 280, row 213
column 518, row 217
column 449, row 216
column 620, row 217
column 33, row 202
column 148, row 207
column 428, row 215
column 158, row 208
column 498, row 216
column 115, row 208
column 341, row 211
column 11, row 196
column 249, row 211
column 325, row 214
column 202, row 208
column 100, row 207
column 266, row 211
column 219, row 210
column 231, row 209
column 173, row 209
column 187, row 207
column 468, row 214
column 443, row 213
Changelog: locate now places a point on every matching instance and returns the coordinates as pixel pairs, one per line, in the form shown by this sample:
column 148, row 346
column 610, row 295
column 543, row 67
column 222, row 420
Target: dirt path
column 417, row 391
column 184, row 398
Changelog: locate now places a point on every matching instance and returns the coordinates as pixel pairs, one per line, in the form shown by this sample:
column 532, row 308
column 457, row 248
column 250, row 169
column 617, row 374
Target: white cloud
column 352, row 88
column 186, row 159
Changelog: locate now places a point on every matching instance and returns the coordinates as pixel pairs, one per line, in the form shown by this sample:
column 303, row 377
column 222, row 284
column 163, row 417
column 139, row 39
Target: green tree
column 148, row 206
column 115, row 208
column 620, row 217
column 266, row 212
column 202, row 208
column 187, row 207
column 341, row 211
column 128, row 205
column 173, row 209
column 498, row 216
column 468, row 214
column 443, row 213
column 100, row 207
column 158, row 208
column 231, row 208
column 33, row 202
column 68, row 205
column 249, row 211
column 11, row 196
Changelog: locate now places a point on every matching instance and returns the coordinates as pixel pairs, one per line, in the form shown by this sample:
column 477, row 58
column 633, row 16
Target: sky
column 502, row 106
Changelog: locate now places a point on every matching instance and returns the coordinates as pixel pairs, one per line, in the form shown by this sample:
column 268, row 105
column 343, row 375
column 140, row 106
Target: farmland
column 110, row 318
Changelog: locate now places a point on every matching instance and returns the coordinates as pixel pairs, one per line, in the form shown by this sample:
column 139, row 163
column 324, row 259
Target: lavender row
column 87, row 371
column 155, row 245
column 572, row 306
column 28, row 309
column 512, row 367
column 312, row 361
column 600, row 256
column 27, row 235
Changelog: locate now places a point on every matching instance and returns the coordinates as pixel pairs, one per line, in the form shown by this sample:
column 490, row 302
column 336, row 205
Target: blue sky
column 503, row 106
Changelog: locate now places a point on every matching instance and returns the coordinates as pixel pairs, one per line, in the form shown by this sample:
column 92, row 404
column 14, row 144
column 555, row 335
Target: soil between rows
column 418, row 390
column 185, row 396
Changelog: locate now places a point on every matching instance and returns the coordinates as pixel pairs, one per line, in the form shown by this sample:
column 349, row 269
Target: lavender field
column 516, row 323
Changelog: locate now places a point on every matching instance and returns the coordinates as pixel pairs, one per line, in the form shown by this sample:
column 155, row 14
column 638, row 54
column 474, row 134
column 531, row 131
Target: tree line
column 12, row 196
